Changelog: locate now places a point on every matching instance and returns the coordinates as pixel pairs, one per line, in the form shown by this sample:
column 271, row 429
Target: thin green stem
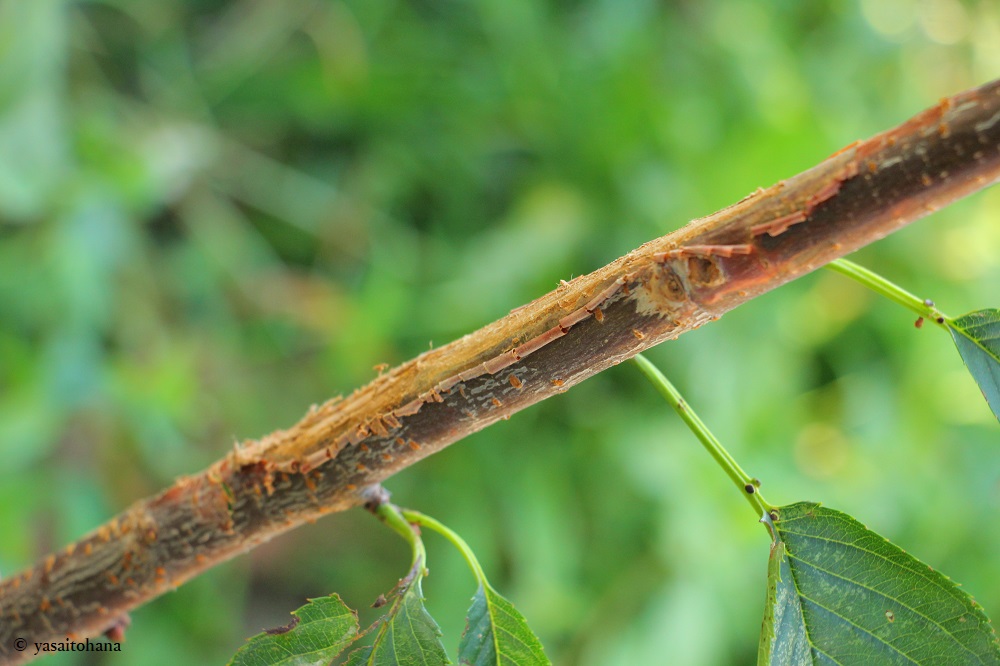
column 389, row 514
column 892, row 291
column 743, row 481
column 426, row 521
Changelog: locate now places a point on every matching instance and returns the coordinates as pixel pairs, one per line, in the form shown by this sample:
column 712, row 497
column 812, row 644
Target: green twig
column 743, row 481
column 389, row 514
column 924, row 308
column 426, row 521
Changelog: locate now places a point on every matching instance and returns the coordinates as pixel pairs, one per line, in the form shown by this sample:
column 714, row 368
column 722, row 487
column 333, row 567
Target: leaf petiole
column 390, row 514
column 426, row 521
column 892, row 291
column 496, row 632
column 746, row 484
column 975, row 334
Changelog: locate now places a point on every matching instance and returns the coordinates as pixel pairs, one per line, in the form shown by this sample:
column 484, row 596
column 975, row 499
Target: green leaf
column 977, row 336
column 323, row 628
column 407, row 634
column 496, row 633
column 783, row 640
column 839, row 593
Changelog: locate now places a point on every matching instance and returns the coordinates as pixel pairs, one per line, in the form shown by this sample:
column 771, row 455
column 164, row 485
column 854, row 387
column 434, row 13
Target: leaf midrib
column 875, row 592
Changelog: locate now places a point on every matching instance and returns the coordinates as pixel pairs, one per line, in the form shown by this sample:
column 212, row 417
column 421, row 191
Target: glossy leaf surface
column 977, row 336
column 407, row 634
column 324, row 627
column 839, row 593
column 497, row 634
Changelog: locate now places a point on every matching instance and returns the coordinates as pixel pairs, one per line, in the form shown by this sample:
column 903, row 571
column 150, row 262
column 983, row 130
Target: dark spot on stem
column 750, row 489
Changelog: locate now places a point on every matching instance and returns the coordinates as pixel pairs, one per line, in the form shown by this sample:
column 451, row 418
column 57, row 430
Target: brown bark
column 336, row 456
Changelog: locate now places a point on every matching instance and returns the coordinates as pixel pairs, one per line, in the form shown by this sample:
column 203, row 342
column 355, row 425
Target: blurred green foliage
column 214, row 214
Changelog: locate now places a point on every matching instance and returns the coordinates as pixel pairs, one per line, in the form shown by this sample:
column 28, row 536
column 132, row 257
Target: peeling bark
column 335, row 457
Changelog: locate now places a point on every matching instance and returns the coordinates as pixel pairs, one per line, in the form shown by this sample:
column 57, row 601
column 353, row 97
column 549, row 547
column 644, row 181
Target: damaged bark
column 335, row 457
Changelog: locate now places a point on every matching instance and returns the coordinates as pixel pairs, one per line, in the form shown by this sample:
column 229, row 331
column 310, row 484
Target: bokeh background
column 214, row 214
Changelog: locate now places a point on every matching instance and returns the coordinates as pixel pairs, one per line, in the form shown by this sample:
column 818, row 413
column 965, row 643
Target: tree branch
column 336, row 456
